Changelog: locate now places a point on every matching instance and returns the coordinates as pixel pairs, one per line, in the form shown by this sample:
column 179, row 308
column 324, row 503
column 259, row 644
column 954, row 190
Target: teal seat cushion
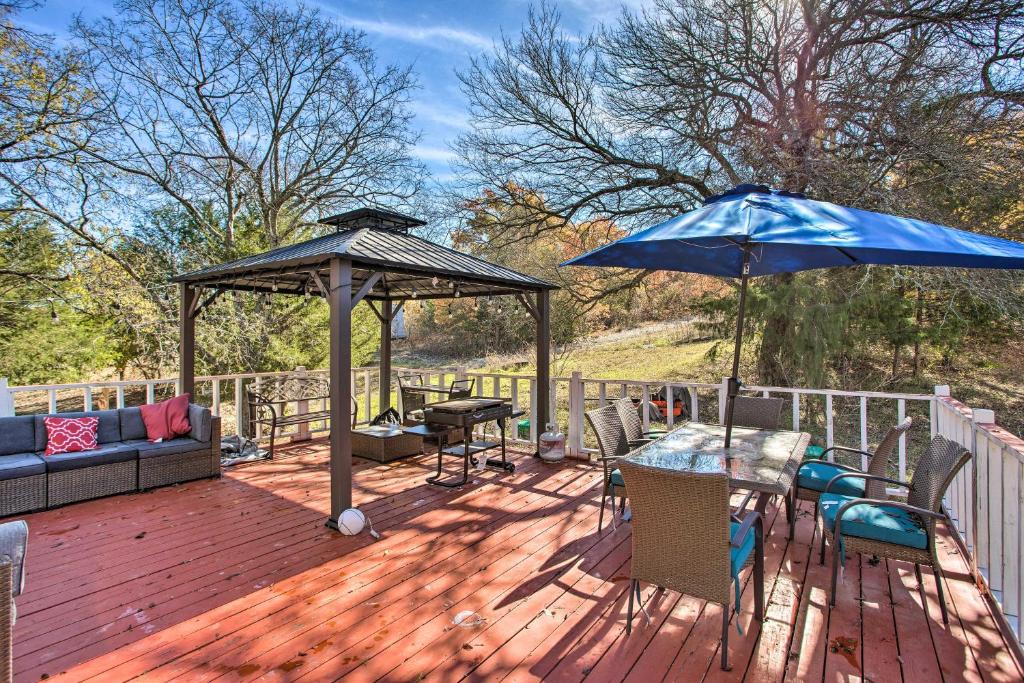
column 738, row 556
column 816, row 475
column 876, row 522
column 813, row 453
column 617, row 479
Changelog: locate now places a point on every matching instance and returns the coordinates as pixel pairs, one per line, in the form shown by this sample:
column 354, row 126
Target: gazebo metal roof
column 375, row 241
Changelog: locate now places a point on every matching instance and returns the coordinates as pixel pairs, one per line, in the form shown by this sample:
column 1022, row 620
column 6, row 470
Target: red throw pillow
column 167, row 419
column 70, row 434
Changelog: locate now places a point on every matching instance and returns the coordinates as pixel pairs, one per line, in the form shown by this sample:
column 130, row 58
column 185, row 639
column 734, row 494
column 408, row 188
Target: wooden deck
column 238, row 578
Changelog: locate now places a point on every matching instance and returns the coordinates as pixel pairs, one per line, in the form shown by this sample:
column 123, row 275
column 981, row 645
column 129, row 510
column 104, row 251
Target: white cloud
column 438, row 36
column 439, row 114
column 435, row 154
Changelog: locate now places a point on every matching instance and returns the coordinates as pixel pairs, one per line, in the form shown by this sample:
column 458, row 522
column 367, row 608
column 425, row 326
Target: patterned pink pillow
column 70, row 434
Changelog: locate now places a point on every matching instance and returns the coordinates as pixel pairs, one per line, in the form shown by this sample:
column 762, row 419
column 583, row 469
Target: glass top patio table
column 759, row 460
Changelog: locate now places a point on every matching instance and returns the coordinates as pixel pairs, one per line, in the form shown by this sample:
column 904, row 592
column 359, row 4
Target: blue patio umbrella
column 752, row 230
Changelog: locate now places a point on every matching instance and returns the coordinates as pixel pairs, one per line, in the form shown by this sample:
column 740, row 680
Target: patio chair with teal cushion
column 685, row 539
column 887, row 528
column 613, row 444
column 813, row 475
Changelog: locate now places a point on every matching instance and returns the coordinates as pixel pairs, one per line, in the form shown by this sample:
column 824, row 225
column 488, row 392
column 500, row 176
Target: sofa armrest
column 201, row 420
column 13, row 545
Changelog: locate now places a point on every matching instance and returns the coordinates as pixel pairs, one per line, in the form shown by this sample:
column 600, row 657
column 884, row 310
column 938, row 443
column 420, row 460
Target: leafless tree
column 228, row 108
column 855, row 101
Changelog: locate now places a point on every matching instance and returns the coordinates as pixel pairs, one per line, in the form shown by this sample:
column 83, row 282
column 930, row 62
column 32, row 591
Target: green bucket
column 523, row 429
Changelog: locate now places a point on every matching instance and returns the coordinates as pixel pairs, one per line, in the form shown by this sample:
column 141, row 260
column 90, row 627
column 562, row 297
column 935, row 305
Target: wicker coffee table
column 385, row 443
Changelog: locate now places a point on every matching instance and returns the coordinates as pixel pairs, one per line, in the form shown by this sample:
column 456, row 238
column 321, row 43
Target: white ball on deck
column 351, row 522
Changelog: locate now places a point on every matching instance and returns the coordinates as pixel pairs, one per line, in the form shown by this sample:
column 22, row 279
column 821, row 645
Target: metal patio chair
column 813, row 475
column 685, row 538
column 461, row 388
column 888, row 528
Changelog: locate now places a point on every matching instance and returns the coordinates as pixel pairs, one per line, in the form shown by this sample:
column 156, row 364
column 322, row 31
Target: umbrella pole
column 734, row 381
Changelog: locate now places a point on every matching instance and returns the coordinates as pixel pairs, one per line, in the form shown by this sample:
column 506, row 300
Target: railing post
column 302, row 429
column 6, row 399
column 982, row 541
column 239, row 408
column 575, row 428
column 460, row 372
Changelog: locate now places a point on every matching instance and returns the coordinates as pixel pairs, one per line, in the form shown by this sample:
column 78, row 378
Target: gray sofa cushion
column 106, row 454
column 132, row 426
column 108, row 431
column 17, row 434
column 183, row 444
column 201, row 420
column 21, row 465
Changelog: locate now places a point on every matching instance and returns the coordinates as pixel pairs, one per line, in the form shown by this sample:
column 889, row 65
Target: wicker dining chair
column 413, row 402
column 13, row 544
column 685, row 539
column 813, row 475
column 613, row 444
column 633, row 425
column 757, row 412
column 461, row 388
column 888, row 528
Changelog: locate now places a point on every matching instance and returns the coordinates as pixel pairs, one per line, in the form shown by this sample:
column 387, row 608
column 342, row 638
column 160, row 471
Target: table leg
column 442, row 443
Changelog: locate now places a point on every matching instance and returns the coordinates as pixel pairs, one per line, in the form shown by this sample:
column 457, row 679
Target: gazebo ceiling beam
column 368, row 285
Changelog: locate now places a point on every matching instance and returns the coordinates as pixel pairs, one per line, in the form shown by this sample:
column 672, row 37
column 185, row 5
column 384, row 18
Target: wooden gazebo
column 371, row 256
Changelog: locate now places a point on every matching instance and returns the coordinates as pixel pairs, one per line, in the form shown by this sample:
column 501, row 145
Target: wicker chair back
column 880, row 458
column 608, row 428
column 680, row 530
column 935, row 470
column 757, row 412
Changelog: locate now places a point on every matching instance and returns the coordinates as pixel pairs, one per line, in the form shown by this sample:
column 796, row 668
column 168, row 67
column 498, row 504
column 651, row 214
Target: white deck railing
column 985, row 503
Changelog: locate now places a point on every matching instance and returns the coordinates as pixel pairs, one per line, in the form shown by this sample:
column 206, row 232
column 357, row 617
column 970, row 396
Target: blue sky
column 437, row 38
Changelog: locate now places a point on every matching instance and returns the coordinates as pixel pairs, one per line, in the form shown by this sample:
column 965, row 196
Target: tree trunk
column 895, row 360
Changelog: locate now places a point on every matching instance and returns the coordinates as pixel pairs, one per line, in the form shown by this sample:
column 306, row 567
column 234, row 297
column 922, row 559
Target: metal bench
column 291, row 402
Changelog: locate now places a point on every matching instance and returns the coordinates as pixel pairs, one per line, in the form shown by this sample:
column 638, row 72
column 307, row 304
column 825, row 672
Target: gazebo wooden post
column 187, row 341
column 340, row 300
column 384, row 382
column 543, row 363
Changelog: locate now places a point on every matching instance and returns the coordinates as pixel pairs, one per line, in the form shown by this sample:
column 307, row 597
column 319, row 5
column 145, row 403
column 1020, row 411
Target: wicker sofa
column 125, row 461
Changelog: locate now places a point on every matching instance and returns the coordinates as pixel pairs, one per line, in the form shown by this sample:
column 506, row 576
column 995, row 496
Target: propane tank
column 552, row 444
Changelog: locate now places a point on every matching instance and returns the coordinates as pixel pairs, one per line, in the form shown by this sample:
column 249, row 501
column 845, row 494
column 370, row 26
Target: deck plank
column 238, row 579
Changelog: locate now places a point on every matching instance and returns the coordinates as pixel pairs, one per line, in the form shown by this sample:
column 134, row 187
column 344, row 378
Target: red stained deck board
column 356, row 611
column 523, row 549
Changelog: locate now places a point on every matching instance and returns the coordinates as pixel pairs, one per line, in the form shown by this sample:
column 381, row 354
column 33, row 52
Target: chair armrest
column 655, row 433
column 846, row 449
column 637, row 443
column 865, row 476
column 610, row 458
column 753, row 517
